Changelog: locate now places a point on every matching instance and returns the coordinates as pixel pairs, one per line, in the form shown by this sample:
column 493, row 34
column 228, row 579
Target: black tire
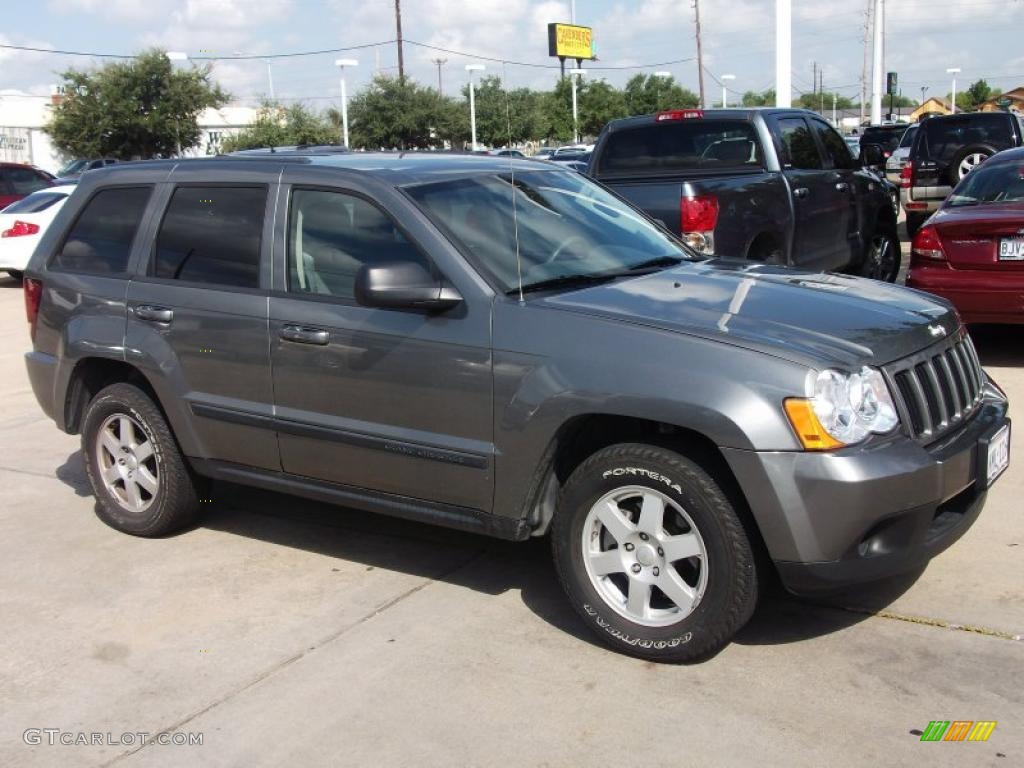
column 883, row 256
column 984, row 151
column 765, row 249
column 17, row 274
column 731, row 590
column 914, row 222
column 175, row 503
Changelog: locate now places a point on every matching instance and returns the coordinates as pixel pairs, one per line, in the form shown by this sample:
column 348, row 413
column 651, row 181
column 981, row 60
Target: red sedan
column 17, row 181
column 971, row 251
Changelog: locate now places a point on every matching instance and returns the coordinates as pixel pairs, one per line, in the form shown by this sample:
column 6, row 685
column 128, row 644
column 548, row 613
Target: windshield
column 75, row 166
column 568, row 227
column 996, row 183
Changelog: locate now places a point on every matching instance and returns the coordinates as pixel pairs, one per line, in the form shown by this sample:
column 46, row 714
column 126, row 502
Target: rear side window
column 798, row 148
column 944, row 137
column 908, row 137
column 676, row 146
column 100, row 240
column 37, row 202
column 212, row 235
column 25, row 181
column 835, row 147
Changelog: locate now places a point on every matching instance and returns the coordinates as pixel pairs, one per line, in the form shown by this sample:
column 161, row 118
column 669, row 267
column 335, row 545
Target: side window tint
column 100, row 240
column 834, row 145
column 212, row 235
column 25, row 181
column 798, row 147
column 332, row 234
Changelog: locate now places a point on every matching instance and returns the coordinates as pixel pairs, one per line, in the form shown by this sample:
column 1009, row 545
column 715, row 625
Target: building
column 23, row 140
column 933, row 105
column 1015, row 99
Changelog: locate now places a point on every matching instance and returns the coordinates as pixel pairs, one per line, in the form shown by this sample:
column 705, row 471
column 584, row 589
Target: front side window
column 834, row 145
column 562, row 225
column 212, row 235
column 798, row 148
column 100, row 240
column 332, row 234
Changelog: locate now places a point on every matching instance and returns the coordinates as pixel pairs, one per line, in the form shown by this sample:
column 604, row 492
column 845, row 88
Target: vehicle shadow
column 482, row 564
column 6, row 281
column 998, row 345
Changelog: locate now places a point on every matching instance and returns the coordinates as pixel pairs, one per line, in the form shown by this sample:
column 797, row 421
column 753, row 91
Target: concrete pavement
column 287, row 632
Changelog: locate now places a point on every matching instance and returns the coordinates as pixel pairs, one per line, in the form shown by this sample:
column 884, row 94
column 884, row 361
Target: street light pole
column 439, row 61
column 876, row 66
column 783, row 53
column 471, row 68
column 663, row 76
column 725, row 97
column 341, row 64
column 953, row 71
column 177, row 56
column 270, row 79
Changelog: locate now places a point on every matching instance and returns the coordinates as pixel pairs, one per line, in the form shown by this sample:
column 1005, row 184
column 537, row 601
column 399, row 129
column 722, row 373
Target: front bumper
column 980, row 296
column 866, row 512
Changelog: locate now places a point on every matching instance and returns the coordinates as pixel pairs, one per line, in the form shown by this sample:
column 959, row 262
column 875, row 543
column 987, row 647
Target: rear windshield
column 991, row 183
column 683, row 145
column 888, row 137
column 36, row 202
column 908, row 136
column 945, row 136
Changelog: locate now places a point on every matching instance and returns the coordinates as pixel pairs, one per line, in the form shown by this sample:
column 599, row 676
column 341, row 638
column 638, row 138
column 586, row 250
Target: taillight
column 21, row 228
column 927, row 246
column 679, row 114
column 33, row 293
column 697, row 219
column 905, row 175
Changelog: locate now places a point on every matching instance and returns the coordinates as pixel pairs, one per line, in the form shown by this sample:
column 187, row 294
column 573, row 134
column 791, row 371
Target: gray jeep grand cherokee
column 503, row 346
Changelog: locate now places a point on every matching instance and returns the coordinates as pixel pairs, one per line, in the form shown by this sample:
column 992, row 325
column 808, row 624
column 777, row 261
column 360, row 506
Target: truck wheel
column 652, row 554
column 141, row 482
column 882, row 257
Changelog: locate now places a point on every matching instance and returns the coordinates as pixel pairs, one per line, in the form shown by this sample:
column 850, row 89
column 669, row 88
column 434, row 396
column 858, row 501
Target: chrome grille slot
column 938, row 388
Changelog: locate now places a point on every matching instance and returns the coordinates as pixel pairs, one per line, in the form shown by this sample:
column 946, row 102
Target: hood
column 808, row 317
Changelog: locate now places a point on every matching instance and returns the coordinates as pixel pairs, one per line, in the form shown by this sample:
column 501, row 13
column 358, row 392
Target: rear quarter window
column 100, row 240
column 683, row 145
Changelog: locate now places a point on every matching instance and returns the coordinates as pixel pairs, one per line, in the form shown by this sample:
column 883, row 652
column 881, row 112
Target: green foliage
column 502, row 120
column 277, row 126
column 141, row 108
column 645, row 94
column 820, row 100
column 393, row 113
column 759, row 99
column 976, row 94
column 598, row 103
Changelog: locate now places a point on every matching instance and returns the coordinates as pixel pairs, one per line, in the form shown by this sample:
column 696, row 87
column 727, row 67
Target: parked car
column 545, row 153
column 900, row 155
column 972, row 251
column 768, row 185
column 945, row 150
column 23, row 223
column 415, row 335
column 853, row 142
column 75, row 168
column 506, row 153
column 886, row 136
column 18, row 180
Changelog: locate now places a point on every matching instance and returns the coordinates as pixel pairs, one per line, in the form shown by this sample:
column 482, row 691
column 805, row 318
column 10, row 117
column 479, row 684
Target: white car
column 900, row 155
column 23, row 223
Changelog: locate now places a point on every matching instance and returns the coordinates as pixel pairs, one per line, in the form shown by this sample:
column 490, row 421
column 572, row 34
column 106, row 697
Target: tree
column 759, row 99
column 598, row 103
column 277, row 126
column 816, row 100
column 141, row 108
column 976, row 94
column 645, row 94
column 502, row 118
column 398, row 113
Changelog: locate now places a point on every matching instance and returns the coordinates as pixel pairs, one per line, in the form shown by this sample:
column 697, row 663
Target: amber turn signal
column 805, row 423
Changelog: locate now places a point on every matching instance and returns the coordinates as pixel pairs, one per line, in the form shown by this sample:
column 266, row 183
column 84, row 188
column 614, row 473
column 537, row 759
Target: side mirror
column 403, row 285
column 871, row 155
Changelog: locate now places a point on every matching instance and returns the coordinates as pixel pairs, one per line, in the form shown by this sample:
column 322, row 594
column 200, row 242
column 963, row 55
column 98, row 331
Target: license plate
column 998, row 454
column 1011, row 249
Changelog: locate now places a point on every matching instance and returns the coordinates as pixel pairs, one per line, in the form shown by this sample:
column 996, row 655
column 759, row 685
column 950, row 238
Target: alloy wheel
column 970, row 162
column 127, row 462
column 883, row 259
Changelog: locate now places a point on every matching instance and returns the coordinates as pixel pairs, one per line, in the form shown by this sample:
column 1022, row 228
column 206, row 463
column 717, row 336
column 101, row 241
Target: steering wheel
column 558, row 251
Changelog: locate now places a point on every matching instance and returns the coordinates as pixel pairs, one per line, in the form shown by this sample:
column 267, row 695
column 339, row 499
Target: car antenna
column 512, row 174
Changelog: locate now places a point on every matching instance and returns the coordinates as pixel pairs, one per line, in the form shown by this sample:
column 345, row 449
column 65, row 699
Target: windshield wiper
column 651, row 265
column 563, row 281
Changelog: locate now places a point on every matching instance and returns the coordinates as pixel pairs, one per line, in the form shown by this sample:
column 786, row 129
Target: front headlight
column 843, row 409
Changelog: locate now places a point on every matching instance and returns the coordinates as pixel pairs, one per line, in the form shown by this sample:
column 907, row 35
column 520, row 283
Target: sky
column 923, row 39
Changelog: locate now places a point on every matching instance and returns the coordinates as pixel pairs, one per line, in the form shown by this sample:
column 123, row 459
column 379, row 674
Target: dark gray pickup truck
column 503, row 346
column 771, row 185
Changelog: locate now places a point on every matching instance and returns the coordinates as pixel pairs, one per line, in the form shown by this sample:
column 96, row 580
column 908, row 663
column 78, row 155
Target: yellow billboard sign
column 567, row 41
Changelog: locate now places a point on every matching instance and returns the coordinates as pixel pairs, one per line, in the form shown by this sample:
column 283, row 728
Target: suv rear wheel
column 141, row 482
column 968, row 159
column 652, row 554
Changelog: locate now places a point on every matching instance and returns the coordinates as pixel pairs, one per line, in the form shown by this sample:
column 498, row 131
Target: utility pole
column 864, row 70
column 398, row 27
column 814, row 82
column 439, row 61
column 700, row 53
column 783, row 53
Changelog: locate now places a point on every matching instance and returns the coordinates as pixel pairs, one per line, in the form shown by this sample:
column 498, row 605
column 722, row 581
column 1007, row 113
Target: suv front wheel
column 141, row 482
column 652, row 554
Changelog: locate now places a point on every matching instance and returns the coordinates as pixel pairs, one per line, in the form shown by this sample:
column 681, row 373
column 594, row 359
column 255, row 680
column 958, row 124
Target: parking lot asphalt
column 292, row 633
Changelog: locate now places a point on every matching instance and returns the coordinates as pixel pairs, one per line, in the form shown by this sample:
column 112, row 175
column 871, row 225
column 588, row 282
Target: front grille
column 939, row 388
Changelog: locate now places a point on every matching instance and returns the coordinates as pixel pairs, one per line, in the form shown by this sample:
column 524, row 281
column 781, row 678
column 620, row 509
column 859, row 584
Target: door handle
column 303, row 335
column 154, row 314
column 842, row 186
column 801, row 192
